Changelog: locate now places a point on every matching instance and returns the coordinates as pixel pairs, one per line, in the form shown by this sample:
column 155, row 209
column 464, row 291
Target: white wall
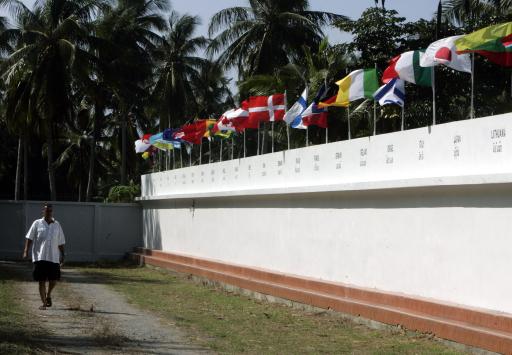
column 435, row 227
column 93, row 230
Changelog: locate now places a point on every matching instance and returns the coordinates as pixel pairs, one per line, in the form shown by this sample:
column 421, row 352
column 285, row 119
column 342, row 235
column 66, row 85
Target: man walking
column 45, row 239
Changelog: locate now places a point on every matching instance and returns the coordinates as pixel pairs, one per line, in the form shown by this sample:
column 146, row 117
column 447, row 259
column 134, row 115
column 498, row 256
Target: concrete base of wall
column 474, row 327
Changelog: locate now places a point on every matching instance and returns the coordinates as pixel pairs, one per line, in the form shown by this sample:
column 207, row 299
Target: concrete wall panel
column 93, row 231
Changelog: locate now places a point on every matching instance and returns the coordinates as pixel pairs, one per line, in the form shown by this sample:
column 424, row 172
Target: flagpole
column 272, row 136
column 220, row 153
column 209, row 150
column 258, row 147
column 326, row 128
column 190, row 157
column 375, row 112
column 472, row 85
column 433, row 76
column 348, row 121
column 201, row 153
column 288, row 134
column 288, row 126
column 232, row 147
column 181, row 159
column 173, row 160
column 403, row 117
column 307, row 136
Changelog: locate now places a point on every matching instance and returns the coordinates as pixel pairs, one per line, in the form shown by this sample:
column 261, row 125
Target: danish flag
column 265, row 108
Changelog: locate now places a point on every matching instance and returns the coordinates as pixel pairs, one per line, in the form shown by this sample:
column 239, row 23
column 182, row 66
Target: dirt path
column 88, row 317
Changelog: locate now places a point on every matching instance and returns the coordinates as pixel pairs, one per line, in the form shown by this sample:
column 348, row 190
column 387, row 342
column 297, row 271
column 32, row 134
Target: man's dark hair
column 48, row 205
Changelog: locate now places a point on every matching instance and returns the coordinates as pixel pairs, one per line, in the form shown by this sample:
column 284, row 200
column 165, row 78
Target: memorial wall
column 423, row 212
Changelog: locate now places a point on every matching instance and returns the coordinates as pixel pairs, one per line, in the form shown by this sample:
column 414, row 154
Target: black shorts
column 46, row 271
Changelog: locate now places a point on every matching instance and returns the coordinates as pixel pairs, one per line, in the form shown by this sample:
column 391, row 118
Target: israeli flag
column 391, row 93
column 296, row 110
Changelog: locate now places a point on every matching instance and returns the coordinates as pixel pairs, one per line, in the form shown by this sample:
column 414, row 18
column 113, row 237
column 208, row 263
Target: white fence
column 93, row 231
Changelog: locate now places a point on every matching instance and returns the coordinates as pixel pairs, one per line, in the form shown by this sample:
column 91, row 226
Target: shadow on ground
column 22, row 271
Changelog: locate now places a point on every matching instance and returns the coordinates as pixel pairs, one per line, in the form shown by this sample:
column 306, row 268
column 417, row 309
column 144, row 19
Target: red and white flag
column 315, row 116
column 232, row 120
column 444, row 52
column 265, row 108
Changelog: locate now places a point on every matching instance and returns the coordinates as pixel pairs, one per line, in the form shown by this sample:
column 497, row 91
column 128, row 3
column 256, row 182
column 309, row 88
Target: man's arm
column 28, row 244
column 28, row 239
column 62, row 254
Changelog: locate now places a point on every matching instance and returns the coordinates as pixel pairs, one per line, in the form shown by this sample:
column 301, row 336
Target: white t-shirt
column 46, row 239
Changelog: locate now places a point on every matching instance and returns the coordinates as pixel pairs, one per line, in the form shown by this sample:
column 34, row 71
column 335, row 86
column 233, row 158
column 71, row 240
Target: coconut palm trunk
column 123, row 148
column 51, row 168
column 25, row 166
column 92, row 157
column 17, row 184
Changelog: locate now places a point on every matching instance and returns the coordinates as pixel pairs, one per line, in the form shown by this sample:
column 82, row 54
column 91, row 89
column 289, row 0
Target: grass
column 16, row 332
column 230, row 323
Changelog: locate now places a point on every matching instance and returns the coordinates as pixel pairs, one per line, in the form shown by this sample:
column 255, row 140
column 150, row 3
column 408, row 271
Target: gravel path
column 90, row 318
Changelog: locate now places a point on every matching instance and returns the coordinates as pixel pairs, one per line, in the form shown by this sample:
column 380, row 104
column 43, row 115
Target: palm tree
column 266, row 35
column 177, row 68
column 462, row 11
column 213, row 96
column 382, row 3
column 52, row 39
column 127, row 42
column 76, row 137
column 5, row 46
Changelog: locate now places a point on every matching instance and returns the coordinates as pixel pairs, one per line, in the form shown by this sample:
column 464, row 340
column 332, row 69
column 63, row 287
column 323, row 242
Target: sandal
column 48, row 301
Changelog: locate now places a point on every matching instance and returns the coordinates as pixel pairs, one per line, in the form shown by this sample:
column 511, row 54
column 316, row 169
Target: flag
column 314, row 116
column 169, row 135
column 294, row 112
column 265, row 108
column 193, row 132
column 359, row 84
column 232, row 120
column 210, row 128
column 494, row 43
column 407, row 67
column 159, row 141
column 444, row 52
column 141, row 146
column 391, row 93
column 328, row 94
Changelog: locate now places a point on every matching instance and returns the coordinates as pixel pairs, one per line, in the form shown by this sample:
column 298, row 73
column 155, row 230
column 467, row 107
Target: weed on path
column 86, row 318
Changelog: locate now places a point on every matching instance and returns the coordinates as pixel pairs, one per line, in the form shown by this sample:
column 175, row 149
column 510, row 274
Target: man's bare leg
column 42, row 293
column 51, row 285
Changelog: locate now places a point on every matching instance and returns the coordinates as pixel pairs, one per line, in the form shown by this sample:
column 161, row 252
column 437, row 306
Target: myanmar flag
column 357, row 85
column 407, row 67
column 494, row 43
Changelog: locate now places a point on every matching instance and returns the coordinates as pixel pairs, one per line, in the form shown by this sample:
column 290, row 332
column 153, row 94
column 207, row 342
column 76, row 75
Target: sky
column 410, row 9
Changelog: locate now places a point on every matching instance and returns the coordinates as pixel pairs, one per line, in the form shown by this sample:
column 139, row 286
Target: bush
column 123, row 193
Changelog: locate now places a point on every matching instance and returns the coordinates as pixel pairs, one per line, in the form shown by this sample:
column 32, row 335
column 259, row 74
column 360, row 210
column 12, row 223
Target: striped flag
column 357, row 85
column 407, row 67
